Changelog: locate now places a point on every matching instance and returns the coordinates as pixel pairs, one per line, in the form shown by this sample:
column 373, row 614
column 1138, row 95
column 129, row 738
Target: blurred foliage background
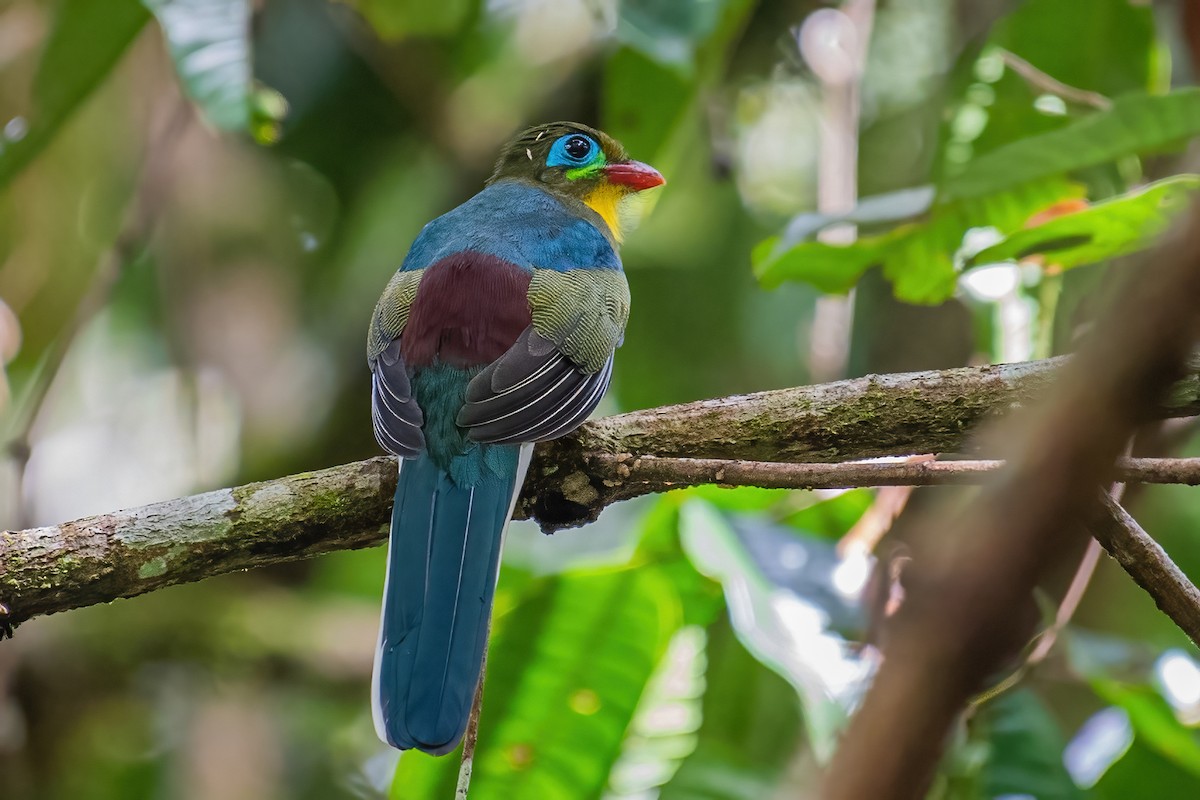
column 200, row 201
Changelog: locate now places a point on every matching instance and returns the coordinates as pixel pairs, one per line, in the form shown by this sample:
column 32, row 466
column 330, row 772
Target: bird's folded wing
column 395, row 415
column 557, row 371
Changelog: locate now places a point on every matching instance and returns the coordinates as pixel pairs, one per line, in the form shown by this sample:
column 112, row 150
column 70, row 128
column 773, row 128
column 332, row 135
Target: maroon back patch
column 469, row 309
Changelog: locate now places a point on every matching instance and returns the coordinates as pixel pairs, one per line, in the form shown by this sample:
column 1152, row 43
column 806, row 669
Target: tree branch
column 965, row 600
column 127, row 553
column 573, row 478
column 1149, row 565
column 649, row 474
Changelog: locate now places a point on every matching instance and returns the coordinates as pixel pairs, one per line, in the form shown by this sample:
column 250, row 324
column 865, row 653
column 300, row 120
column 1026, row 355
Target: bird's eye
column 578, row 147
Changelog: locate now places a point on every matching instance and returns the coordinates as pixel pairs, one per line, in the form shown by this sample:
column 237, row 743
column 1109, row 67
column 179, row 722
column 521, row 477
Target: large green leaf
column 1136, row 124
column 663, row 731
column 918, row 258
column 565, row 674
column 774, row 623
column 750, row 730
column 209, row 41
column 88, row 38
column 1144, row 772
column 1115, row 227
column 1112, row 48
column 1001, row 189
column 669, row 50
column 1154, row 723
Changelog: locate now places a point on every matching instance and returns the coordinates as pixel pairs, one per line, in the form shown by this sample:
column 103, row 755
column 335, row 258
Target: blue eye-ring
column 572, row 150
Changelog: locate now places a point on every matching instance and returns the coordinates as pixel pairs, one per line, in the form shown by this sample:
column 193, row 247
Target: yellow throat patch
column 605, row 200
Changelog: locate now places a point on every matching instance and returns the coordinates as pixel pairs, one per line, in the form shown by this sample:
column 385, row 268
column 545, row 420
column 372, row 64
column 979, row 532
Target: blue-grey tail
column 443, row 559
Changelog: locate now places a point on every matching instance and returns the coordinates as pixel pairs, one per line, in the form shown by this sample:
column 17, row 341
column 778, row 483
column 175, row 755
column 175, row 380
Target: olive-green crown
column 525, row 157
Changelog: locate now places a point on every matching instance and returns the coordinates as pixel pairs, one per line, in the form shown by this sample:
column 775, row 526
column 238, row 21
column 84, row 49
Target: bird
column 497, row 331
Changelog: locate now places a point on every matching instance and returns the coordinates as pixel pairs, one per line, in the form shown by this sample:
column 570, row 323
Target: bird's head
column 573, row 161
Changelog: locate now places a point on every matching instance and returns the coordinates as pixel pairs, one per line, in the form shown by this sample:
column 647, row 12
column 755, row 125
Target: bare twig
column 472, row 736
column 1149, row 565
column 1050, row 85
column 662, row 474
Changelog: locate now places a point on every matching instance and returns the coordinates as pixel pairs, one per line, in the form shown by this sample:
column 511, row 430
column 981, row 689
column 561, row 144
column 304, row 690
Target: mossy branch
column 127, row 553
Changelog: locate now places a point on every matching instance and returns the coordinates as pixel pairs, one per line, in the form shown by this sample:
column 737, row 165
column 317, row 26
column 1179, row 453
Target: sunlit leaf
column 88, row 38
column 918, row 258
column 663, row 731
column 751, row 727
column 1115, row 227
column 209, row 41
column 1136, row 124
column 785, row 630
column 1154, row 723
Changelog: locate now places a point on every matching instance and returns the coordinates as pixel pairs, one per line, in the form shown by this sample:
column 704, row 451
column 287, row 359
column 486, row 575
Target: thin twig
column 1149, row 565
column 669, row 473
column 1046, row 83
column 472, row 736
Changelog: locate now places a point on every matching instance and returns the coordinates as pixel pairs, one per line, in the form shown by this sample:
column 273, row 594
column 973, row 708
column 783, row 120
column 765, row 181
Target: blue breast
column 518, row 223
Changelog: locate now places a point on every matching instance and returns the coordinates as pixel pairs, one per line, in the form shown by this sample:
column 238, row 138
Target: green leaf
column 918, row 258
column 564, row 676
column 1136, row 124
column 1115, row 227
column 1026, row 747
column 1112, row 42
column 765, row 618
column 644, row 101
column 88, row 38
column 663, row 731
column 209, row 42
column 1144, row 772
column 1154, row 722
column 750, row 731
column 669, row 50
column 831, row 519
column 399, row 19
column 665, row 30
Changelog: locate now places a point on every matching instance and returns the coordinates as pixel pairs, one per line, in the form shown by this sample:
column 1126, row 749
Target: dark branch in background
column 1149, row 565
column 127, row 553
column 961, row 617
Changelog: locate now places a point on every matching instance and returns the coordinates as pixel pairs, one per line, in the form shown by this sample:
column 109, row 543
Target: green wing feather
column 391, row 312
column 553, row 377
column 582, row 311
column 396, row 416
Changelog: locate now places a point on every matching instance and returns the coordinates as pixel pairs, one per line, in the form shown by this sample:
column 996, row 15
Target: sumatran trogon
column 497, row 331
